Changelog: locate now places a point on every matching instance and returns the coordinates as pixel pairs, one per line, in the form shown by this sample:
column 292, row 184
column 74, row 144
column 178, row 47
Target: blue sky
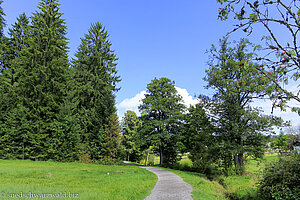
column 154, row 38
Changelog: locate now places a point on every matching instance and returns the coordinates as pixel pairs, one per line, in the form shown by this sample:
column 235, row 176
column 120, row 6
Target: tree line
column 224, row 129
column 52, row 108
column 56, row 109
column 221, row 131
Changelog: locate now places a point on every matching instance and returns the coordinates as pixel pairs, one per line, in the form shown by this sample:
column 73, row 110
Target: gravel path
column 169, row 186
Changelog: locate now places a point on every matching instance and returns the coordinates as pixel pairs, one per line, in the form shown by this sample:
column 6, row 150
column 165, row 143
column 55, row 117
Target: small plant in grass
column 84, row 158
column 281, row 179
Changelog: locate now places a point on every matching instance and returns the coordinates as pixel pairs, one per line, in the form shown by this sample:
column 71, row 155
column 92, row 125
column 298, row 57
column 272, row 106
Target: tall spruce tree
column 2, row 100
column 2, row 25
column 12, row 57
column 2, row 20
column 95, row 79
column 13, row 124
column 43, row 79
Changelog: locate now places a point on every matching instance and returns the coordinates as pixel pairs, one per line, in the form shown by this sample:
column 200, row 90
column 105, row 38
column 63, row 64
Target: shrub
column 84, row 158
column 281, row 179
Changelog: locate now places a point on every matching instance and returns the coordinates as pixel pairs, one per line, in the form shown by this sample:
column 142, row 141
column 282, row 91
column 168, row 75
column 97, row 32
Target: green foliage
column 14, row 127
column 281, row 142
column 238, row 127
column 50, row 110
column 281, row 179
column 2, row 20
column 279, row 58
column 94, row 83
column 161, row 118
column 199, row 139
column 42, row 79
column 130, row 125
column 111, row 141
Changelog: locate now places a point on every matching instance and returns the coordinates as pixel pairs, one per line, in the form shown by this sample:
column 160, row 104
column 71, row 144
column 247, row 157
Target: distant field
column 89, row 181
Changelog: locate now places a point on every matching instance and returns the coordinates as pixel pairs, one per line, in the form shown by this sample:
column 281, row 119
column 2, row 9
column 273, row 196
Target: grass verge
column 203, row 189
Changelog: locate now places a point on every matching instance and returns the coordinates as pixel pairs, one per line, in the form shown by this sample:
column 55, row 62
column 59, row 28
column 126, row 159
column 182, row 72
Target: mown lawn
column 89, row 181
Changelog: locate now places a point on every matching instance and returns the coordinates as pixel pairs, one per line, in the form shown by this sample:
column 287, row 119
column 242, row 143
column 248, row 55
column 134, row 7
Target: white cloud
column 288, row 115
column 134, row 102
column 131, row 104
column 266, row 105
column 187, row 98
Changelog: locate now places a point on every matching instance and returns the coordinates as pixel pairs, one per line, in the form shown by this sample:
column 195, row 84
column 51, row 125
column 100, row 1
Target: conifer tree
column 2, row 25
column 12, row 57
column 111, row 140
column 43, row 79
column 2, row 20
column 14, row 128
column 95, row 79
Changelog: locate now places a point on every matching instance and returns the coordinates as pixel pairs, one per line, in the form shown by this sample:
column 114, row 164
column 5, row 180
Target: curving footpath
column 169, row 186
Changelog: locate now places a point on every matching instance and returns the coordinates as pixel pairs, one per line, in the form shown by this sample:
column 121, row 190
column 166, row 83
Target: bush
column 84, row 158
column 281, row 179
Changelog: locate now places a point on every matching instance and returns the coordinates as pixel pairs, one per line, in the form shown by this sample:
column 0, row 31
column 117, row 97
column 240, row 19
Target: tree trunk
column 161, row 155
column 146, row 157
column 239, row 162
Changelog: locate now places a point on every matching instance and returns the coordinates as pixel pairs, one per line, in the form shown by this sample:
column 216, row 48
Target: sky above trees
column 151, row 39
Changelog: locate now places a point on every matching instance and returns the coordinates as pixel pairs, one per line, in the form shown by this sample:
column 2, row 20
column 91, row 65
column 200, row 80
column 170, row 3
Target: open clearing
column 89, row 181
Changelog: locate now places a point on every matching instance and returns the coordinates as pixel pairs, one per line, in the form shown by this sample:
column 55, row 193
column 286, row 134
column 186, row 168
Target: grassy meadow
column 225, row 187
column 89, row 181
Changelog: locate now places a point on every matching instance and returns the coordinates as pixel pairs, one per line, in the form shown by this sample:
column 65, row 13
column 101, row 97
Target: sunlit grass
column 186, row 161
column 203, row 189
column 89, row 181
column 244, row 187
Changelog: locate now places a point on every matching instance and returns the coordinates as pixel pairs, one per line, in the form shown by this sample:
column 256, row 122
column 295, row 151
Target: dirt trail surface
column 169, row 186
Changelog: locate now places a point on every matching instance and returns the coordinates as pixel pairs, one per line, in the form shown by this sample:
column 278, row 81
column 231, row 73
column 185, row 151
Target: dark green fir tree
column 95, row 78
column 13, row 128
column 43, row 82
column 2, row 24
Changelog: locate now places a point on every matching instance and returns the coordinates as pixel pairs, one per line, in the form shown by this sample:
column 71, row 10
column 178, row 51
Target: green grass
column 244, row 187
column 234, row 186
column 185, row 161
column 203, row 189
column 89, row 181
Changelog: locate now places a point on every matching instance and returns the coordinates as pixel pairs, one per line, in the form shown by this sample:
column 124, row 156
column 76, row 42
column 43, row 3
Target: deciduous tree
column 238, row 126
column 162, row 118
column 130, row 126
column 280, row 58
column 199, row 139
